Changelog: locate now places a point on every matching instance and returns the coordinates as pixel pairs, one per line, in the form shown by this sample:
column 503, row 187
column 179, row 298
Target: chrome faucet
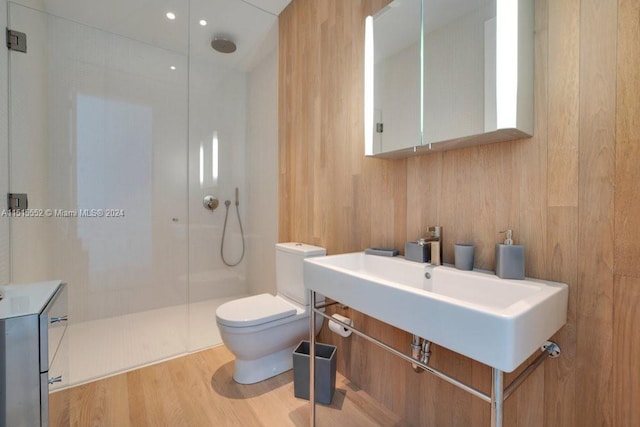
column 433, row 240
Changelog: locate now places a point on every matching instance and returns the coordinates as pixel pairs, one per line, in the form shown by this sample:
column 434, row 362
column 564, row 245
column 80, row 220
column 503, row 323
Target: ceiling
column 249, row 23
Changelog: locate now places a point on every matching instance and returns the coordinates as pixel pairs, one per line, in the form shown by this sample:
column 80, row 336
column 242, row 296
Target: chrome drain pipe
column 425, row 353
column 420, row 352
column 415, row 353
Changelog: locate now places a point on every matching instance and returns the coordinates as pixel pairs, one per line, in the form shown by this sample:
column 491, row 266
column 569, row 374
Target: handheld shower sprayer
column 227, row 203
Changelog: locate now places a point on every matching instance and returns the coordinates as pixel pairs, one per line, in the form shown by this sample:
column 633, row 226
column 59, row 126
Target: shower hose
column 227, row 203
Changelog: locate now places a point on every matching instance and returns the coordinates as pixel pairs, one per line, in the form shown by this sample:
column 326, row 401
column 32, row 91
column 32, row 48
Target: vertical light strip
column 368, row 86
column 506, row 63
column 214, row 157
column 201, row 165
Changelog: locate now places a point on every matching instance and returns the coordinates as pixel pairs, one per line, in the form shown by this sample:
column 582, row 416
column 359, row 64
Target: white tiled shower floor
column 104, row 347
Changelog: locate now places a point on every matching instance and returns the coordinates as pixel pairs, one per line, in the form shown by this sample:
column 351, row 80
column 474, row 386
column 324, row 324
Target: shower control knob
column 210, row 202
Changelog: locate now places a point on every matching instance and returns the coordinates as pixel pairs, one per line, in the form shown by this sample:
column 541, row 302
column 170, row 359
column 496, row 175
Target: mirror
column 393, row 56
column 475, row 80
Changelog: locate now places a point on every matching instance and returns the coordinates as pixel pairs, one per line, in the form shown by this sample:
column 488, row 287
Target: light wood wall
column 570, row 193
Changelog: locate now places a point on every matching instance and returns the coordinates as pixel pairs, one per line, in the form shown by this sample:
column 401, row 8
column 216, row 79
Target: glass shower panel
column 98, row 141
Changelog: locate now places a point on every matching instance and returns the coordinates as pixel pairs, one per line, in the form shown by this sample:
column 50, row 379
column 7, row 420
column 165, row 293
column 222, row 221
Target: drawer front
column 44, row 399
column 19, row 392
column 53, row 324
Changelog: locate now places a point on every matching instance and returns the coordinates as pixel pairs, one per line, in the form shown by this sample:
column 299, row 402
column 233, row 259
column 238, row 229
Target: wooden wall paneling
column 360, row 233
column 507, row 198
column 626, row 346
column 391, row 370
column 491, row 179
column 471, row 193
column 627, row 202
column 563, row 217
column 461, row 400
column 535, row 168
column 361, row 211
column 556, row 123
column 287, row 123
column 562, row 260
column 400, row 204
column 532, row 218
column 424, row 191
column 425, row 395
column 445, row 395
column 285, row 70
column 596, row 215
column 455, row 189
column 324, row 185
column 532, row 221
column 382, row 203
column 530, row 400
column 480, row 411
column 564, row 97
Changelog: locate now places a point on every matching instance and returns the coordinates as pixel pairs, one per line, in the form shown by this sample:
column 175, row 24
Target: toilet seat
column 254, row 310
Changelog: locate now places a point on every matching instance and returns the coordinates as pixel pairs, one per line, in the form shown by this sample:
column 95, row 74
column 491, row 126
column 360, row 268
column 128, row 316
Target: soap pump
column 509, row 258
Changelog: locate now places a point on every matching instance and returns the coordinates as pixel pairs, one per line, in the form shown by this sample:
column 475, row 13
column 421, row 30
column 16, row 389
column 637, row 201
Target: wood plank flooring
column 198, row 390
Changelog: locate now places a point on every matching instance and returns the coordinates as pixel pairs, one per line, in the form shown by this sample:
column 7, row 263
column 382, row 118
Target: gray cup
column 463, row 255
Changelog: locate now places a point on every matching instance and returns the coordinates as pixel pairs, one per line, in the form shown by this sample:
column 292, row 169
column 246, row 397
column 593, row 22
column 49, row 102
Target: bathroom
column 568, row 192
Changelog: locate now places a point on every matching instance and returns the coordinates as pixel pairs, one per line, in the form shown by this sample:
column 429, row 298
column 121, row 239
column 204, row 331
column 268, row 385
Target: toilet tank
column 289, row 279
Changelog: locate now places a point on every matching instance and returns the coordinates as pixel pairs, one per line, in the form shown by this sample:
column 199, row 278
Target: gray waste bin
column 325, row 372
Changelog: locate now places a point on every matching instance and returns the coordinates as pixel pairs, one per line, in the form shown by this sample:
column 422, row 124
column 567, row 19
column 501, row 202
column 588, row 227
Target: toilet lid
column 254, row 310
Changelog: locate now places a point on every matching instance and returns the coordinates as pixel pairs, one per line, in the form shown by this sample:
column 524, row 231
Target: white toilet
column 262, row 330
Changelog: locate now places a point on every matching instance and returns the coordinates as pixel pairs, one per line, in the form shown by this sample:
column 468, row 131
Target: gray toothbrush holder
column 463, row 255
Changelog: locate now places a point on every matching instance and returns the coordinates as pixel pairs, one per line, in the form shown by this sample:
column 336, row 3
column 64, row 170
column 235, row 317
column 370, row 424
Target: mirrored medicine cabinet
column 447, row 74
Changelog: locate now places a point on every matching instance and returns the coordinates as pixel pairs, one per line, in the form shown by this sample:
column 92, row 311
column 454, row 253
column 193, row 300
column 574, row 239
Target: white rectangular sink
column 495, row 321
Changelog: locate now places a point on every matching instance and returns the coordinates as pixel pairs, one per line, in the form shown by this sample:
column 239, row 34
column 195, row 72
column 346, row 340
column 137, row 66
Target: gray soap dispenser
column 509, row 258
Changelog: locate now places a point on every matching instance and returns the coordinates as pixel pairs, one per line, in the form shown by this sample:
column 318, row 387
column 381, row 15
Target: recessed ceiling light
column 173, row 67
column 171, row 15
column 203, row 22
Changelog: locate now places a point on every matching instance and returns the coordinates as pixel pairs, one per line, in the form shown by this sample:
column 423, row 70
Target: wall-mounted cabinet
column 441, row 75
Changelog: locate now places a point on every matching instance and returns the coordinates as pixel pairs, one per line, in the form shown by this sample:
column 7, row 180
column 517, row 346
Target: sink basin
column 495, row 321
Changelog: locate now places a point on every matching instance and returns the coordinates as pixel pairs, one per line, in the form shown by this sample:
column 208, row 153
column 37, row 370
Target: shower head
column 223, row 45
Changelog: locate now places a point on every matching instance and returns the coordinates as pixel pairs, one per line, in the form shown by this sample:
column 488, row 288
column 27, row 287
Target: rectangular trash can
column 325, row 375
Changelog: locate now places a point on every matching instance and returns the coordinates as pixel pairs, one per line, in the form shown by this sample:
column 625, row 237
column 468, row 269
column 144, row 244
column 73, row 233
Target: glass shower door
column 98, row 141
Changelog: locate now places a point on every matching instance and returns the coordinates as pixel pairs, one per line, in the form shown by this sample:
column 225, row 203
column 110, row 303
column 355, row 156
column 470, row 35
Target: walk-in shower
column 120, row 121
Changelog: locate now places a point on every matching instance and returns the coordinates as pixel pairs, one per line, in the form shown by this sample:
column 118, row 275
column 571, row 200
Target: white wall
column 217, row 106
column 241, row 109
column 262, row 174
